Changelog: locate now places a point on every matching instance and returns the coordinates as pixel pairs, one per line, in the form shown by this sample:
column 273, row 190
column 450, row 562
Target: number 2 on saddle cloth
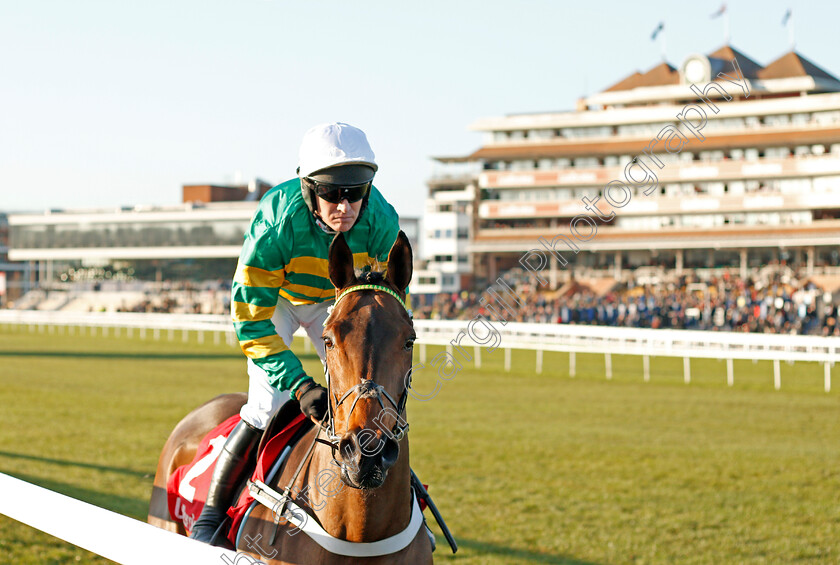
column 187, row 487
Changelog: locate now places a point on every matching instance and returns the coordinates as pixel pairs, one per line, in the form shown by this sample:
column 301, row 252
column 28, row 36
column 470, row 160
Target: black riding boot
column 231, row 466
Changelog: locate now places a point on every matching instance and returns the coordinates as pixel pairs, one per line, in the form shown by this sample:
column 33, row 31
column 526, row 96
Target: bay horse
column 357, row 481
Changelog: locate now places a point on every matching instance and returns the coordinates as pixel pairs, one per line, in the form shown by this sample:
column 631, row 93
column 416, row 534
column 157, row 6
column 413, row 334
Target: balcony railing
column 672, row 171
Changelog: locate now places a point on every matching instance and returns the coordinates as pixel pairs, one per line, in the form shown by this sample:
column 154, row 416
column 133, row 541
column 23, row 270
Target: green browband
column 347, row 291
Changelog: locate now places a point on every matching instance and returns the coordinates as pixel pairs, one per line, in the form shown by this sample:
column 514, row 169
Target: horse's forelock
column 371, row 277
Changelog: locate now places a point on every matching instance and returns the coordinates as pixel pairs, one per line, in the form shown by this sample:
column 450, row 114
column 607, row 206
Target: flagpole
column 660, row 30
column 726, row 36
column 790, row 32
column 664, row 58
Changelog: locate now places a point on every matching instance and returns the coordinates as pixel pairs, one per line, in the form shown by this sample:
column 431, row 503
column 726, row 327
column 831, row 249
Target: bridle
column 365, row 388
column 362, row 389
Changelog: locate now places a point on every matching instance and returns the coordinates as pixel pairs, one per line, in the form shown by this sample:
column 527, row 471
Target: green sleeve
column 254, row 293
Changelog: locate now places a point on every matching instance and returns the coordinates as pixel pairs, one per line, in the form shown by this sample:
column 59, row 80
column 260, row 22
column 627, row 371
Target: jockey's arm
column 260, row 273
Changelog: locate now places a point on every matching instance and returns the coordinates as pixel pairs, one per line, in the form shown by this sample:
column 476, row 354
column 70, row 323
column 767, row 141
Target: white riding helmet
column 334, row 144
column 335, row 153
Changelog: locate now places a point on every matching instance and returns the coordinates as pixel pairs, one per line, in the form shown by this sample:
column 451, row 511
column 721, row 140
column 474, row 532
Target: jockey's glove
column 313, row 399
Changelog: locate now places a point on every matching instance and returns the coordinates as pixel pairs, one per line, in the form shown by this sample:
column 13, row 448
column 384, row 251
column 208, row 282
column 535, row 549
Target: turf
column 526, row 468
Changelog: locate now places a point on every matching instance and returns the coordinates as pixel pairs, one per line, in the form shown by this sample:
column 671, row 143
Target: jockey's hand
column 313, row 400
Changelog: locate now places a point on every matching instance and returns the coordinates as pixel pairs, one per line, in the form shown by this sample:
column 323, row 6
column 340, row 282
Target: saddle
column 287, row 413
column 284, row 430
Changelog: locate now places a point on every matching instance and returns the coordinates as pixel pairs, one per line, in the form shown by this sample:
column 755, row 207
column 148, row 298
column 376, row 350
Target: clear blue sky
column 108, row 103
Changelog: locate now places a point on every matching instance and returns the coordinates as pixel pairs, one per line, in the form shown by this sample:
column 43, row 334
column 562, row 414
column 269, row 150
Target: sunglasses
column 335, row 193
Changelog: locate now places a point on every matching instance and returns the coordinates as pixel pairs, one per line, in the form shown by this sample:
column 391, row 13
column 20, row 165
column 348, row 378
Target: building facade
column 197, row 240
column 673, row 168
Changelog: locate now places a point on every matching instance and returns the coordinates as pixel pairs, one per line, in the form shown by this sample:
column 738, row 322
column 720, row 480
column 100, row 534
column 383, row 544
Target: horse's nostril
column 349, row 446
column 390, row 453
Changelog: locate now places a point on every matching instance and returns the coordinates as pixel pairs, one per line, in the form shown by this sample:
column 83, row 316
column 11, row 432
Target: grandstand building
column 757, row 182
column 197, row 240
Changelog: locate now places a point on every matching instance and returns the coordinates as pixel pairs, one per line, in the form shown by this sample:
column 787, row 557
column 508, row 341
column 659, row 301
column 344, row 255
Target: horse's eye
column 328, row 343
column 409, row 344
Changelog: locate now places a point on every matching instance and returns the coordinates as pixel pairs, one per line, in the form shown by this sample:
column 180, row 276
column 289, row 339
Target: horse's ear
column 342, row 273
column 400, row 261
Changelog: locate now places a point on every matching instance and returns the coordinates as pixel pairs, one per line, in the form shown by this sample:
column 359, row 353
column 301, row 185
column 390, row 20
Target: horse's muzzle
column 366, row 456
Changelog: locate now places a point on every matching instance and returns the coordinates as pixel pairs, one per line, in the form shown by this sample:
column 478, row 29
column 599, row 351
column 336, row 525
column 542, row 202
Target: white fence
column 539, row 338
column 646, row 343
column 117, row 537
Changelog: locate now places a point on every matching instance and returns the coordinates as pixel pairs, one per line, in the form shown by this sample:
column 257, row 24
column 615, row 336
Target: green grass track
column 526, row 468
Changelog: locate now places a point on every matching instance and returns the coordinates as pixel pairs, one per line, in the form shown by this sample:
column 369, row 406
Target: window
column 800, row 119
column 778, row 152
column 586, row 162
column 780, row 120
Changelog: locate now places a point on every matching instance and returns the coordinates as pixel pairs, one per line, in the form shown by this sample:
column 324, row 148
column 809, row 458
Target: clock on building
column 696, row 69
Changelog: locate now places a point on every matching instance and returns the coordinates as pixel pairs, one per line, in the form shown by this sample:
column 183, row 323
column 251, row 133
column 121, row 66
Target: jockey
column 282, row 283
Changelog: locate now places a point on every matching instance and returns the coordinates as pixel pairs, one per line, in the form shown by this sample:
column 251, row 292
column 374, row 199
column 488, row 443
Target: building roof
column 661, row 75
column 748, row 66
column 627, row 83
column 793, row 64
column 789, row 65
column 452, row 159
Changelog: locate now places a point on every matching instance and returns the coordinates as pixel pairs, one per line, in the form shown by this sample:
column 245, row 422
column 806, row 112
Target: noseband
column 365, row 388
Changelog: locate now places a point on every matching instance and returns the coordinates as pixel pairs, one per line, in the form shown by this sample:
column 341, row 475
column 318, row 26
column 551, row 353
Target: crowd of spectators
column 775, row 299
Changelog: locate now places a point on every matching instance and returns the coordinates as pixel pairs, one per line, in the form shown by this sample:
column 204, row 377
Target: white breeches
column 263, row 399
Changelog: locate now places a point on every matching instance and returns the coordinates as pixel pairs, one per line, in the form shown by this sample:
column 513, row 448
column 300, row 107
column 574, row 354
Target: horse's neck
column 360, row 515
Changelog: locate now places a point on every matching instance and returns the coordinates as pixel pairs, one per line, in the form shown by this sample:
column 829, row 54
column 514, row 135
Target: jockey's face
column 341, row 216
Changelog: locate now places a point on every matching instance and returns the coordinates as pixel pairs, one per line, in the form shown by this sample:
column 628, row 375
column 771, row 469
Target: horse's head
column 369, row 338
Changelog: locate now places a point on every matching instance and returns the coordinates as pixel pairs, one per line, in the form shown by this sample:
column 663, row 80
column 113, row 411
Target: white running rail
column 572, row 339
column 111, row 535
